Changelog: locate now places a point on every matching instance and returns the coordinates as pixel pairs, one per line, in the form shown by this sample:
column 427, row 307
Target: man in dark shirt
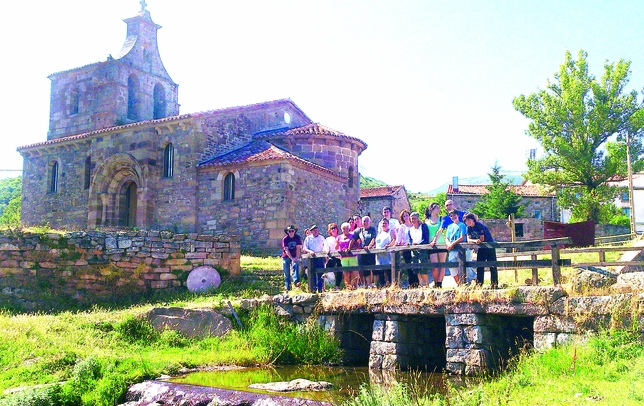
column 291, row 249
column 477, row 233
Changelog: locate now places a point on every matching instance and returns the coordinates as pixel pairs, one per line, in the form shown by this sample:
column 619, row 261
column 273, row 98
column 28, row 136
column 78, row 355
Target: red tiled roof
column 381, row 191
column 522, row 190
column 259, row 151
column 314, row 129
column 160, row 120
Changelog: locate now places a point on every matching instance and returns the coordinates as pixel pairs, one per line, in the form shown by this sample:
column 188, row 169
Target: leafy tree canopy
column 501, row 201
column 10, row 188
column 582, row 122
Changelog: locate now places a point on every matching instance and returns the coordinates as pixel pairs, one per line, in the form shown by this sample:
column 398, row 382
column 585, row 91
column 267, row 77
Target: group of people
column 408, row 230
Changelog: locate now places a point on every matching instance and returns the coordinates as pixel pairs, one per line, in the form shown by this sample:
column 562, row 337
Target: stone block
column 110, row 243
column 456, row 368
column 375, row 361
column 454, row 337
column 554, row 324
column 384, row 348
column 378, row 333
column 124, row 243
column 167, row 276
column 390, row 362
column 566, row 338
column 464, row 319
column 395, row 331
column 544, row 341
column 159, row 284
column 475, row 334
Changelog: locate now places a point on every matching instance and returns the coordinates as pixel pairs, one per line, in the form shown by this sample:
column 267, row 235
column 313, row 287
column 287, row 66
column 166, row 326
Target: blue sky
column 428, row 85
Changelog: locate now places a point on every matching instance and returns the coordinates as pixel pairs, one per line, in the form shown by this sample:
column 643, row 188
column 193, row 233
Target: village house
column 119, row 154
column 539, row 206
column 374, row 199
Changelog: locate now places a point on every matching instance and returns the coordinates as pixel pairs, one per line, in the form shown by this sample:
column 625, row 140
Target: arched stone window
column 132, row 97
column 159, row 101
column 351, row 176
column 53, row 179
column 74, row 101
column 229, row 187
column 88, row 171
column 168, row 161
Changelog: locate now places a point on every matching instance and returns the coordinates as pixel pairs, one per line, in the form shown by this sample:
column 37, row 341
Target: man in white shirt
column 393, row 223
column 313, row 245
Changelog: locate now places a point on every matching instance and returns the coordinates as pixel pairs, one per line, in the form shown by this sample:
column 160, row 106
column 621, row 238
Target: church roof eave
column 316, row 129
column 261, row 151
column 170, row 119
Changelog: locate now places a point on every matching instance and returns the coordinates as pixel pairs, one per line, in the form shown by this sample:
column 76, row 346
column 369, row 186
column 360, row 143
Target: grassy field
column 100, row 351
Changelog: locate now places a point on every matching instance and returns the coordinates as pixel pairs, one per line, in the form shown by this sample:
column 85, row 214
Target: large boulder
column 155, row 393
column 189, row 322
column 588, row 278
column 636, row 255
column 629, row 282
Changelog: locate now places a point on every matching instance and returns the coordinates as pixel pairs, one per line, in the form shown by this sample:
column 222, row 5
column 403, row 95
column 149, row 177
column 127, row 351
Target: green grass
column 607, row 370
column 100, row 353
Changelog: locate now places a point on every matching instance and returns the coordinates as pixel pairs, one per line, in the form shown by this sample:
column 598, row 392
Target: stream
column 346, row 380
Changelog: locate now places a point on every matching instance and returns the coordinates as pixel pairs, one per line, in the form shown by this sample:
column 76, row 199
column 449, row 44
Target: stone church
column 118, row 155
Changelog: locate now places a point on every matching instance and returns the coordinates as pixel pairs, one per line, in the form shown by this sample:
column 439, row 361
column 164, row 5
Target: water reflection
column 346, row 380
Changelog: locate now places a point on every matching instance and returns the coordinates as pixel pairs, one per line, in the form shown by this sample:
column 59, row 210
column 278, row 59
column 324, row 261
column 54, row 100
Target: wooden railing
column 521, row 249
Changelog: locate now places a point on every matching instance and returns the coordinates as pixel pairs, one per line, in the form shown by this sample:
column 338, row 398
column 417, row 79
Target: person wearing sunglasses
column 291, row 250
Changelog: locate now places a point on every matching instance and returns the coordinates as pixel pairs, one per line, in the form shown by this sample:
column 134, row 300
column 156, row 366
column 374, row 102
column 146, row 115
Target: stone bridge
column 463, row 331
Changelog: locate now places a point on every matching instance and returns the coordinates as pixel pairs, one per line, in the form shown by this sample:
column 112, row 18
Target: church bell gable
column 134, row 86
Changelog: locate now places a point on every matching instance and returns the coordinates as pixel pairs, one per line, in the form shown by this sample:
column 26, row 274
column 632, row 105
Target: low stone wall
column 84, row 266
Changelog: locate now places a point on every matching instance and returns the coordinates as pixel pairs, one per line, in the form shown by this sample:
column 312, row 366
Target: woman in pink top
column 345, row 245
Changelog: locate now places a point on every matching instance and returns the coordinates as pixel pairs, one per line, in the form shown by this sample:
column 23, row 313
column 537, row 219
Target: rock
column 584, row 279
column 155, row 393
column 296, row 385
column 189, row 322
column 629, row 282
column 636, row 255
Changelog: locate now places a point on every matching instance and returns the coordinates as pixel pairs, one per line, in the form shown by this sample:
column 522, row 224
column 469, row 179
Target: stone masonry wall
column 267, row 199
column 88, row 265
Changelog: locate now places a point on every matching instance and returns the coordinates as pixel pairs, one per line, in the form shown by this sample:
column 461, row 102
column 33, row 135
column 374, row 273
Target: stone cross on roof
column 143, row 4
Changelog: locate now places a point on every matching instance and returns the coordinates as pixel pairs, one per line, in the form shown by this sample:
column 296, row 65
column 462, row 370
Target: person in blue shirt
column 456, row 233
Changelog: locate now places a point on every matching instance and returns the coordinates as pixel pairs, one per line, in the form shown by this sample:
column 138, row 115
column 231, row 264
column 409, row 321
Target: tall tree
column 581, row 123
column 501, row 201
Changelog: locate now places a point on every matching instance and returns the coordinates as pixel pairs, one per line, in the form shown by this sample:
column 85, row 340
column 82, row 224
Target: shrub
column 285, row 342
column 135, row 330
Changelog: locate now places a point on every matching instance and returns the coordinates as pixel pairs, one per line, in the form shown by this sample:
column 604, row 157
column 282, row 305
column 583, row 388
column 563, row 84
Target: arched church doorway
column 127, row 205
column 118, row 194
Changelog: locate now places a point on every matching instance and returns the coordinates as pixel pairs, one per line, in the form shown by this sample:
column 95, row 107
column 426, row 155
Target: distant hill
column 366, row 182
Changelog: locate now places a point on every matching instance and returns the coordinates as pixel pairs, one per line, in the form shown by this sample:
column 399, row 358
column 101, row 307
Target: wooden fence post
column 311, row 262
column 394, row 268
column 462, row 271
column 535, row 271
column 556, row 270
